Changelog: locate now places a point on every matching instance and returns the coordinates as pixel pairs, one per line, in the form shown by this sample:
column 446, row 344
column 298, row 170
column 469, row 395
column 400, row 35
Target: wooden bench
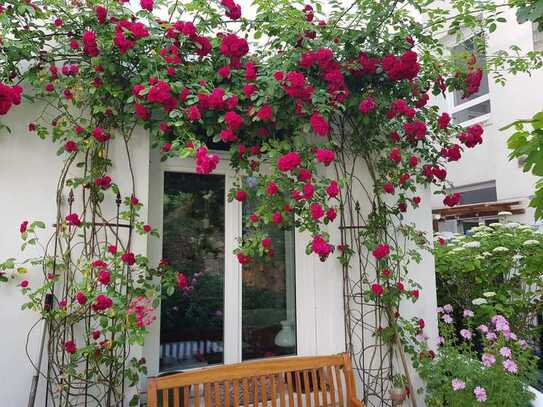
column 314, row 381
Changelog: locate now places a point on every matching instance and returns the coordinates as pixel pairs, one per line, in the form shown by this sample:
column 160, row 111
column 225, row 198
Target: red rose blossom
column 377, row 289
column 382, row 250
column 73, row 219
column 289, row 161
column 23, row 227
column 319, row 124
column 70, row 347
column 324, row 156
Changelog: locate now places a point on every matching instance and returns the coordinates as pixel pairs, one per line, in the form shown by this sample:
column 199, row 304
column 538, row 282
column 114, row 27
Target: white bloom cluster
column 500, row 249
column 530, row 242
column 472, row 245
column 479, row 301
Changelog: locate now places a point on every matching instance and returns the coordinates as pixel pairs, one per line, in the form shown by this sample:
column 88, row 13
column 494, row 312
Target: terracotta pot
column 397, row 395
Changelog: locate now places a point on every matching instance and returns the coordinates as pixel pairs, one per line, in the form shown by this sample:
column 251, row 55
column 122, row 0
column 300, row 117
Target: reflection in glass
column 268, row 296
column 469, row 47
column 191, row 323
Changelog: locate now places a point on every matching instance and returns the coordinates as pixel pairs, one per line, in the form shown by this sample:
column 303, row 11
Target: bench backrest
column 277, row 382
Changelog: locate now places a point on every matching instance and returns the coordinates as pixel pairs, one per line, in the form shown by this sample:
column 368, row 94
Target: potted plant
column 398, row 392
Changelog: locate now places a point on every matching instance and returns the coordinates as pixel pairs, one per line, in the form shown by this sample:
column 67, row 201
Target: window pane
column 191, row 323
column 472, row 112
column 468, row 48
column 268, row 298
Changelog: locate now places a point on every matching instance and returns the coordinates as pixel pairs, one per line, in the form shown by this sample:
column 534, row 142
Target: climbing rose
column 388, row 188
column 332, row 189
column 265, row 113
column 366, row 105
column 99, row 135
column 382, row 250
column 325, row 156
column 81, row 298
column 102, row 303
column 272, row 189
column 243, row 258
column 147, row 228
column 241, row 196
column 319, row 124
column 193, row 113
column 395, row 155
column 70, row 347
column 316, row 211
column 104, row 277
column 443, row 120
column 147, row 4
column 205, row 163
column 233, row 10
column 182, row 281
column 24, row 284
column 73, row 219
column 23, row 227
column 233, row 120
column 321, row 247
column 453, row 199
column 128, row 258
column 89, row 44
column 9, row 96
column 289, row 161
column 266, row 242
column 331, row 214
column 101, row 14
column 234, row 47
column 277, row 217
column 103, row 182
column 377, row 289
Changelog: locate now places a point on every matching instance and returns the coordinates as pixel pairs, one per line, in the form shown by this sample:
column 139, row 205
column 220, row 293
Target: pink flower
column 277, row 217
column 233, row 120
column 308, row 191
column 272, row 189
column 265, row 113
column 101, row 14
column 289, row 161
column 510, row 366
column 193, row 113
column 505, row 352
column 321, row 247
column 224, row 71
column 480, row 394
column 468, row 313
column 89, row 44
column 70, row 347
column 205, row 163
column 382, row 250
column 488, row 359
column 325, row 156
column 447, row 319
column 465, row 333
column 319, row 124
column 458, row 384
column 331, row 214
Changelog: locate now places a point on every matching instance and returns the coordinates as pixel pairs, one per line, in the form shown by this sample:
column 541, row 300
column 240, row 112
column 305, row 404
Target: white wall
column 29, row 171
column 520, row 98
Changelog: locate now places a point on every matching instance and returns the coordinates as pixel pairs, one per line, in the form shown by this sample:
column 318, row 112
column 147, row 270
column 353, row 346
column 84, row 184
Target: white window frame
column 452, row 108
column 305, row 283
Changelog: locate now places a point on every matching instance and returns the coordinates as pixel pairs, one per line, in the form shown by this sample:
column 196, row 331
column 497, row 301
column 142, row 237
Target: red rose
column 96, row 334
column 224, row 71
column 73, row 219
column 241, row 196
column 182, row 281
column 304, row 175
column 324, row 156
column 413, row 161
column 98, row 263
column 377, row 289
column 453, row 199
column 382, row 250
column 24, row 284
column 272, row 189
column 128, row 258
column 104, row 277
column 415, row 293
column 147, row 4
column 101, row 14
column 233, row 120
column 316, row 211
column 166, row 147
column 102, row 303
column 332, row 189
column 416, row 200
column 321, row 247
column 288, row 161
column 81, row 298
column 99, row 135
column 443, row 120
column 277, row 217
column 253, row 217
column 266, row 242
column 234, row 47
column 89, row 44
column 331, row 214
column 395, row 155
column 388, row 188
column 70, row 347
column 319, row 124
column 421, row 323
column 366, row 105
column 147, row 228
column 23, row 227
column 70, row 146
column 58, row 22
column 308, row 191
column 103, row 182
column 134, row 201
column 243, row 258
column 265, row 113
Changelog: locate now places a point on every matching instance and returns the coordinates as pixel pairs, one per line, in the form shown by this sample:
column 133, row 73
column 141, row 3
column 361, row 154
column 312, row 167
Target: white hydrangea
column 472, row 245
column 486, row 254
column 457, row 249
column 500, row 249
column 495, row 225
column 489, row 294
column 480, row 235
column 512, row 225
column 479, row 301
column 530, row 242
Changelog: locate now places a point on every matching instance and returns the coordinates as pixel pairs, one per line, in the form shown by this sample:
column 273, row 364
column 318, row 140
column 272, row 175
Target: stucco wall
column 519, row 98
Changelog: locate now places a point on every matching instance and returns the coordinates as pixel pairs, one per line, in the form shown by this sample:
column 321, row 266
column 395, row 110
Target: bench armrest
column 356, row 403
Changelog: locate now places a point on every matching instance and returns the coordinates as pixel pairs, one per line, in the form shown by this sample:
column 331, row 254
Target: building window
column 224, row 315
column 477, row 193
column 538, row 37
column 474, row 108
